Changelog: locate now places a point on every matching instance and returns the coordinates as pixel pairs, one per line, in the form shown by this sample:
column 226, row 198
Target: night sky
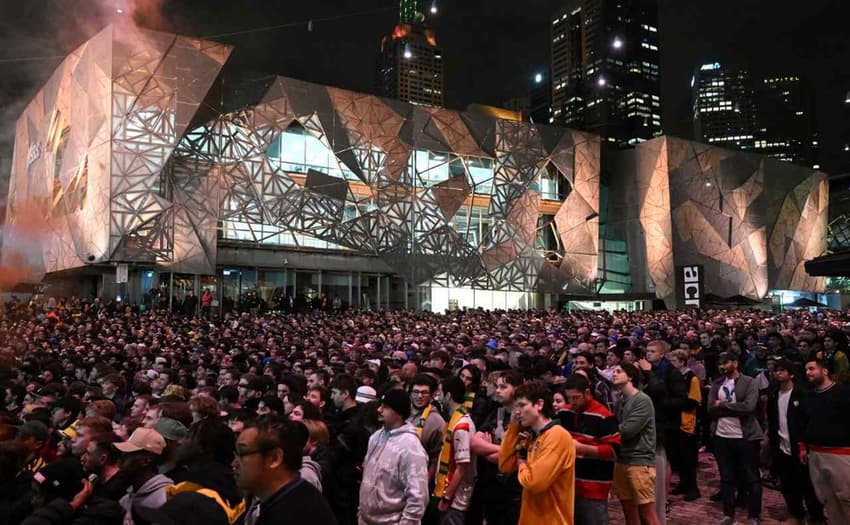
column 491, row 49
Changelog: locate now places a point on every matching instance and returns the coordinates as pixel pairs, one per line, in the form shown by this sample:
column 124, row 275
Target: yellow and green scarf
column 420, row 425
column 468, row 401
column 447, row 459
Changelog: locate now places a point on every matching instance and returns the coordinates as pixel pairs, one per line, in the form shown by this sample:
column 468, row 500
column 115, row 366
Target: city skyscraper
column 787, row 124
column 605, row 69
column 410, row 65
column 773, row 115
column 724, row 107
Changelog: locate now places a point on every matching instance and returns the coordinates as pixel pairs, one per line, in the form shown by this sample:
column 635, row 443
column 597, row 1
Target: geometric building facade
column 124, row 160
column 113, row 154
column 91, row 149
column 749, row 220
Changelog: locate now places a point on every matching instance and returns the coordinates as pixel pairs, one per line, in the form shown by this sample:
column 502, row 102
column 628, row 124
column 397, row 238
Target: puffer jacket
column 395, row 478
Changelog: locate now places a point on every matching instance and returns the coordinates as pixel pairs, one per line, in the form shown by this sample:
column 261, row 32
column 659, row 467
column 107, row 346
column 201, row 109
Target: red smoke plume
column 23, row 239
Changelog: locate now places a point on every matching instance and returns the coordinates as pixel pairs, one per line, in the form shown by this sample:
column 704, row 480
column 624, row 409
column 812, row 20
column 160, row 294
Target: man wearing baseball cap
column 395, row 449
column 33, row 434
column 142, row 454
column 737, row 435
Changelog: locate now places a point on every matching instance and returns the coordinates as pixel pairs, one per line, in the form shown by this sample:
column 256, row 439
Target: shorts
column 635, row 482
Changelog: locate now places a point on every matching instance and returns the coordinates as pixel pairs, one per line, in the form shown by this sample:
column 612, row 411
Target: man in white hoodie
column 395, row 472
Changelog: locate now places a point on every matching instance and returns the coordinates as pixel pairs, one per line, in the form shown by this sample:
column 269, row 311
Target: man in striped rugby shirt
column 597, row 439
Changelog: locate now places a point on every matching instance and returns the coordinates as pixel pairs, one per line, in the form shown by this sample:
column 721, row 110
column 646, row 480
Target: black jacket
column 296, row 504
column 666, row 387
column 348, row 444
column 675, row 394
column 97, row 511
column 322, row 456
column 349, row 438
column 796, row 417
column 15, row 497
column 114, row 489
column 212, row 475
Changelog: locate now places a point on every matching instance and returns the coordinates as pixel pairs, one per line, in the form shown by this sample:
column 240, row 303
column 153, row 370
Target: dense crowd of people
column 113, row 415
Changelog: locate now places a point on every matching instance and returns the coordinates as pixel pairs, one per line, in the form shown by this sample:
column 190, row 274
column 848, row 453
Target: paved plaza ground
column 706, row 512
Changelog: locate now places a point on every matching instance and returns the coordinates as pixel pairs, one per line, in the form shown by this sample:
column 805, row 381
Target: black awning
column 833, row 265
column 805, row 302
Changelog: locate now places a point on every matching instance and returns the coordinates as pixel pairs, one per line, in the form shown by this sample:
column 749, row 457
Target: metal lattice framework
column 399, row 214
column 106, row 152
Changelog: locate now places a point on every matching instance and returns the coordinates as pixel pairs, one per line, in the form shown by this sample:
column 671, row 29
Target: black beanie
column 399, row 401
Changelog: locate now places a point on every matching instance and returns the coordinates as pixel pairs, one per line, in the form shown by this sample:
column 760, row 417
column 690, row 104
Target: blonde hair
column 662, row 345
column 681, row 355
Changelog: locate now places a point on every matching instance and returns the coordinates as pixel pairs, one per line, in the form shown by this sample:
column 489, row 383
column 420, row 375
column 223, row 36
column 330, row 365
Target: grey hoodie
column 311, row 472
column 395, row 478
column 151, row 494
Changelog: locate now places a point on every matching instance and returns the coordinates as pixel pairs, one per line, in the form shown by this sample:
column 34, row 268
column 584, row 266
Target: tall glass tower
column 606, row 69
column 410, row 65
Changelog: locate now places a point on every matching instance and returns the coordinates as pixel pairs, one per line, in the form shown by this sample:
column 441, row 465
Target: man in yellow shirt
column 543, row 454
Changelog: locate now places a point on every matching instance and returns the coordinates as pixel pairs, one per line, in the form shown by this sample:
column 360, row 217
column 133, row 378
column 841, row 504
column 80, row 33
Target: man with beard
column 62, row 495
column 825, row 440
column 104, row 461
column 597, row 440
column 786, row 408
column 732, row 404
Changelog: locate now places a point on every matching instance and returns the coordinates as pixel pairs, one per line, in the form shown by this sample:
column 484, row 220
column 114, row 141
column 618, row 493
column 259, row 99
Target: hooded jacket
column 152, row 494
column 311, row 472
column 395, row 478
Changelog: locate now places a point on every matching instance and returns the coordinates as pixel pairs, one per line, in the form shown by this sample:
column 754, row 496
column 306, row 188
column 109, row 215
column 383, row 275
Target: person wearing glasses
column 732, row 404
column 426, row 419
column 269, row 454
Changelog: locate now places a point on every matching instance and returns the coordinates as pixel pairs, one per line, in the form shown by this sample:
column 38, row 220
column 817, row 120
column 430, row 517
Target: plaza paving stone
column 704, row 511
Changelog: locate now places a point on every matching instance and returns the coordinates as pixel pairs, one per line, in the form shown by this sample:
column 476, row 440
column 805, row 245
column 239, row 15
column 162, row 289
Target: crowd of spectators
column 113, row 415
